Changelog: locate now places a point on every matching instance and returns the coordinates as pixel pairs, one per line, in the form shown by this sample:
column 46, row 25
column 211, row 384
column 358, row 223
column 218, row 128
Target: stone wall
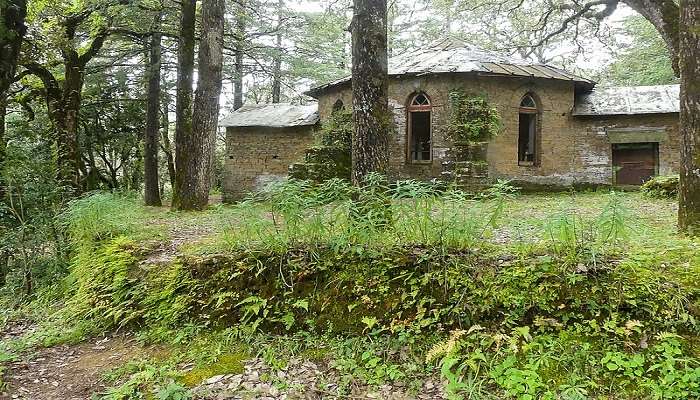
column 572, row 150
column 256, row 156
column 594, row 150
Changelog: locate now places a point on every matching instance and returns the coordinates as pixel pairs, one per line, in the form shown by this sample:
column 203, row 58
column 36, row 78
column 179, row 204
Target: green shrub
column 661, row 187
column 330, row 158
column 472, row 118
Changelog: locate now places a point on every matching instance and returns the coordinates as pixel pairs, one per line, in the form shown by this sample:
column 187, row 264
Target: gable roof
column 277, row 115
column 628, row 100
column 453, row 56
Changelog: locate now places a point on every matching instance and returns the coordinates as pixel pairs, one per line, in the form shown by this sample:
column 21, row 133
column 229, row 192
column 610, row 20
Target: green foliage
column 472, row 118
column 574, row 362
column 331, row 157
column 661, row 187
column 644, row 61
column 583, row 239
column 101, row 216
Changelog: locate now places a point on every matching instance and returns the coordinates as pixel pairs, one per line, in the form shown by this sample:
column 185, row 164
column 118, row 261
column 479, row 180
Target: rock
column 213, row 379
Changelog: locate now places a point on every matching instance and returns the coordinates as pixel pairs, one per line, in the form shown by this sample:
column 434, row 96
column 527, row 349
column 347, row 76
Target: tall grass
column 99, row 216
column 338, row 215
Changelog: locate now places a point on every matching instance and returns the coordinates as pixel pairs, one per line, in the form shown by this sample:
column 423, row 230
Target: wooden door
column 634, row 163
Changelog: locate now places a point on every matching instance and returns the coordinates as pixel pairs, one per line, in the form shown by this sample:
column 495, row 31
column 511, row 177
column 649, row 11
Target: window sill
column 527, row 164
column 421, row 162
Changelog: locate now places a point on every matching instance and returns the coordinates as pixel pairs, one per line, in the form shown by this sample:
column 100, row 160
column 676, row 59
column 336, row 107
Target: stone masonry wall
column 594, row 151
column 573, row 150
column 256, row 156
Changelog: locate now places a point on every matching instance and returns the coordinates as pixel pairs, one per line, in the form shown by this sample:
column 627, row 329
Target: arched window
column 528, row 131
column 338, row 106
column 419, row 129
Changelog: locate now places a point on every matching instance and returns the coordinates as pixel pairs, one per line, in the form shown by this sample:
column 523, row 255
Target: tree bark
column 12, row 30
column 183, row 106
column 196, row 182
column 150, row 148
column 3, row 145
column 689, row 67
column 166, row 146
column 371, row 117
column 277, row 63
column 238, row 67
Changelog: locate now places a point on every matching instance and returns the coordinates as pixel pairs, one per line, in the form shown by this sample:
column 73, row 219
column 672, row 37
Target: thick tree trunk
column 183, row 107
column 12, row 30
column 66, row 122
column 3, row 145
column 196, row 182
column 371, row 117
column 150, row 148
column 689, row 66
column 165, row 145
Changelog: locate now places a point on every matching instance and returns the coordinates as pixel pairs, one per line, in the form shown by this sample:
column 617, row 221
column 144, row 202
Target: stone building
column 558, row 129
column 262, row 140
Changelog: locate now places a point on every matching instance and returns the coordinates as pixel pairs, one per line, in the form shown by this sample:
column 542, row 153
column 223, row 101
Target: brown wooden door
column 634, row 163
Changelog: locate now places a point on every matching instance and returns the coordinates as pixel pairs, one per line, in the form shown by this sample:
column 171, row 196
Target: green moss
column 230, row 363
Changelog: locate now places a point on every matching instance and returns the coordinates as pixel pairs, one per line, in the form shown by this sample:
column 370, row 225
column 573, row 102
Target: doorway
column 634, row 163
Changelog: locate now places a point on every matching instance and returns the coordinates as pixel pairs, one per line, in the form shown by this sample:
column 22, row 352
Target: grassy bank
column 579, row 295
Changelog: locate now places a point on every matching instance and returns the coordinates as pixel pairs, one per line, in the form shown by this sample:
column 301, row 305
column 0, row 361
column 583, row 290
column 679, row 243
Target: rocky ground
column 305, row 380
column 67, row 372
column 76, row 372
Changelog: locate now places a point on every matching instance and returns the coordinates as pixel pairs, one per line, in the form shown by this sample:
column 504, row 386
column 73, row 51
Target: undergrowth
column 371, row 278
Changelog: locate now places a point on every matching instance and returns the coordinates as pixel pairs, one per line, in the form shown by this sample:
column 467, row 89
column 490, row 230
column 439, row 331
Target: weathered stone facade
column 256, row 156
column 572, row 150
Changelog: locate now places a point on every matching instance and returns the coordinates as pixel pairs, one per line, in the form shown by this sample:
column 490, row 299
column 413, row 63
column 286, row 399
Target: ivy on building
column 472, row 118
column 330, row 157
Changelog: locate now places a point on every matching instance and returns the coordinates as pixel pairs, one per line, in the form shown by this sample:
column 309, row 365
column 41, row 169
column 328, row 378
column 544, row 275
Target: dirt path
column 68, row 372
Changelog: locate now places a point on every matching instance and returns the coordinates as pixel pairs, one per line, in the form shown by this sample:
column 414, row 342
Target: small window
column 528, row 131
column 419, row 129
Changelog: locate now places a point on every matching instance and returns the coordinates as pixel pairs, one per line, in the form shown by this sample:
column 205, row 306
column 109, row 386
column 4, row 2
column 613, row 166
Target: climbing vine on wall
column 472, row 118
column 330, row 157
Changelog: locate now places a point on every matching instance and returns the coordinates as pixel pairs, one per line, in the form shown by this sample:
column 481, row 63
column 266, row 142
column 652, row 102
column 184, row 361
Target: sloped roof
column 278, row 115
column 450, row 55
column 622, row 100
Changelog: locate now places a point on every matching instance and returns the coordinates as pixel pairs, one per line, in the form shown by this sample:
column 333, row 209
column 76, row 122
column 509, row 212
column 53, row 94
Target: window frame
column 412, row 108
column 536, row 112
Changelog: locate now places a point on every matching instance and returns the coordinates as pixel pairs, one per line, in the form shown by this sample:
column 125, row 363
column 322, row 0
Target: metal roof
column 621, row 100
column 453, row 56
column 277, row 115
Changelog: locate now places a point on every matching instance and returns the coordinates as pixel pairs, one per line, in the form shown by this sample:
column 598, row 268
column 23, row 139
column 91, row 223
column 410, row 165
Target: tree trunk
column 238, row 67
column 277, row 64
column 3, row 145
column 689, row 67
column 183, row 107
column 12, row 30
column 150, row 148
column 371, row 117
column 66, row 121
column 194, row 192
column 166, row 146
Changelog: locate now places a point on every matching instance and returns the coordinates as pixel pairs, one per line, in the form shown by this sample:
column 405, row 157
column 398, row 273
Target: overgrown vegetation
column 584, row 305
column 472, row 118
column 664, row 187
column 330, row 157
